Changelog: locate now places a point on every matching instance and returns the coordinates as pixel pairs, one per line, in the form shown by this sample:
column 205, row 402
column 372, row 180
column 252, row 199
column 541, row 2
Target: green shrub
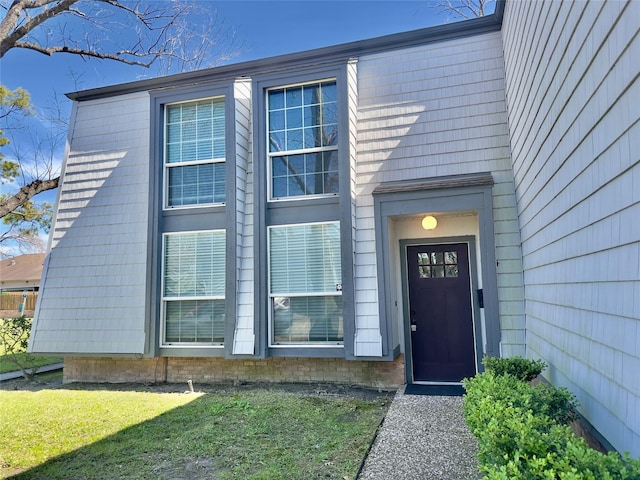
column 558, row 404
column 522, row 433
column 521, row 368
column 508, row 416
column 14, row 338
column 575, row 462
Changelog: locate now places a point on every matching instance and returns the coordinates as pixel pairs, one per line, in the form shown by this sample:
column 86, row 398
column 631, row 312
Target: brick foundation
column 218, row 370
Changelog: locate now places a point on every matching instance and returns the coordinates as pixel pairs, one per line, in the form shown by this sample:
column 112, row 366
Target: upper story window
column 303, row 140
column 195, row 153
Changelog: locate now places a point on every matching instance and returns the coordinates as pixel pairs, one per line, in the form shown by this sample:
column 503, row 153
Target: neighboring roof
column 439, row 33
column 23, row 268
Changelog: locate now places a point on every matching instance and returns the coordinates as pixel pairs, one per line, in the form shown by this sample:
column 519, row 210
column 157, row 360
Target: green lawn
column 26, row 359
column 249, row 434
column 8, row 340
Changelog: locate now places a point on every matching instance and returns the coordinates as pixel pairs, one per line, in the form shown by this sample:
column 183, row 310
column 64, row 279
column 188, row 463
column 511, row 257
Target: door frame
column 475, row 304
column 471, row 192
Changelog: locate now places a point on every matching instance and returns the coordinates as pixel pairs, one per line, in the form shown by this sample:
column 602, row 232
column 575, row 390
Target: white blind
column 194, row 264
column 195, row 131
column 196, row 184
column 195, row 152
column 305, row 258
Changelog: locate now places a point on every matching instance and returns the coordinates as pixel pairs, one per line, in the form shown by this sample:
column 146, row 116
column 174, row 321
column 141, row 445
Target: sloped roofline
column 23, row 268
column 334, row 53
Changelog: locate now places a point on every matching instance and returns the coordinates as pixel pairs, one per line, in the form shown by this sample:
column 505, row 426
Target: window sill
column 304, row 200
column 218, row 207
column 191, row 351
column 310, row 351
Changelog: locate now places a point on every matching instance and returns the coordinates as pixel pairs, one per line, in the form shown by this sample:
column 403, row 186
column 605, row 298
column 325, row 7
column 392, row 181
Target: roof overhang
column 326, row 55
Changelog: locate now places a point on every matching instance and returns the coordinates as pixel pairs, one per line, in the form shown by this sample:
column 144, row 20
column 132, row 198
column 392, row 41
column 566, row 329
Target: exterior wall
column 214, row 370
column 433, row 111
column 93, row 296
column 413, row 112
column 244, row 337
column 572, row 88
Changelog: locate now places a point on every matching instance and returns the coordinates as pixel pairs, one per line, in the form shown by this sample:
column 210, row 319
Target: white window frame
column 166, row 166
column 271, row 296
column 165, row 300
column 270, row 155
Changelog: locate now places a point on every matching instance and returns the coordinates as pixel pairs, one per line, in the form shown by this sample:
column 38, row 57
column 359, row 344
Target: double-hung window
column 305, row 284
column 194, row 157
column 302, row 140
column 193, row 288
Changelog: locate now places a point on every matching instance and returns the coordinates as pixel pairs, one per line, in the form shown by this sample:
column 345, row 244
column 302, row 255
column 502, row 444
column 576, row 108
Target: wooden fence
column 11, row 301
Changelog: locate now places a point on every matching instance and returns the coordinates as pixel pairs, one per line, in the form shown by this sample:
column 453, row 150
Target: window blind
column 305, row 258
column 195, row 152
column 195, row 264
column 196, row 131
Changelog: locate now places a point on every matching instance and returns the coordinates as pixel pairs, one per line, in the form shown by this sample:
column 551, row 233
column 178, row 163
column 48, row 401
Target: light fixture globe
column 429, row 222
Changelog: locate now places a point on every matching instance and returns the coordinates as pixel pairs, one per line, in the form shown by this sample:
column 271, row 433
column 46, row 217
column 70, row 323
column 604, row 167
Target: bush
column 521, row 368
column 14, row 337
column 522, row 433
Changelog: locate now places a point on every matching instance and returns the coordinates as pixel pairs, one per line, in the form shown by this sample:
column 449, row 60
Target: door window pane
column 437, row 264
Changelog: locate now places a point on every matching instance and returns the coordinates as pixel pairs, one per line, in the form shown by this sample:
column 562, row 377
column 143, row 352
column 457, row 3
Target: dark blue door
column 441, row 322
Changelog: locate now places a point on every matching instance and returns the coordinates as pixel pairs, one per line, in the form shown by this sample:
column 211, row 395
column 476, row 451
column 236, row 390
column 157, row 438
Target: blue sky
column 265, row 28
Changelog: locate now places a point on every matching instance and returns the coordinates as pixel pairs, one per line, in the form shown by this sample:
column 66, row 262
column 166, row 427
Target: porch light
column 429, row 222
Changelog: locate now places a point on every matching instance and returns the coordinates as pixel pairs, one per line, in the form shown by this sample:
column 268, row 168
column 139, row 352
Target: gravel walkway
column 422, row 438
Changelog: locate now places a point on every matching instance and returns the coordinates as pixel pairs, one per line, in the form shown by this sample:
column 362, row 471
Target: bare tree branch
column 138, row 33
column 26, row 193
column 10, row 30
column 120, row 56
column 465, row 8
column 161, row 30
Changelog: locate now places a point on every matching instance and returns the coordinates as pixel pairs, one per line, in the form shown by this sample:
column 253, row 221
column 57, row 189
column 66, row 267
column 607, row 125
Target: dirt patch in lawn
column 53, row 380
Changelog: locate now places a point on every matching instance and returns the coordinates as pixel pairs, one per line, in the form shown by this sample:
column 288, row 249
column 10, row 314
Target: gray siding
column 572, row 88
column 244, row 337
column 93, row 297
column 433, row 111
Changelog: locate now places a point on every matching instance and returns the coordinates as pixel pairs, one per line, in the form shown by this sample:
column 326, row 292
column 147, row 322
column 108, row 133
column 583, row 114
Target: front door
column 441, row 323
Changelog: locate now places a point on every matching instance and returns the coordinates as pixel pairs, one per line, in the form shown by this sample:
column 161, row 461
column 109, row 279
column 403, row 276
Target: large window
column 195, row 153
column 303, row 140
column 193, row 289
column 305, row 284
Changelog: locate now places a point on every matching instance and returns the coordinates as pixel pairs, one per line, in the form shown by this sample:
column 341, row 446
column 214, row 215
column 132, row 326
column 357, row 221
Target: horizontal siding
column 433, row 111
column 94, row 284
column 572, row 88
column 244, row 341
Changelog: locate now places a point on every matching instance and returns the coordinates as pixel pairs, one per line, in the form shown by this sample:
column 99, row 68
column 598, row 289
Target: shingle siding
column 433, row 111
column 244, row 337
column 572, row 88
column 93, row 300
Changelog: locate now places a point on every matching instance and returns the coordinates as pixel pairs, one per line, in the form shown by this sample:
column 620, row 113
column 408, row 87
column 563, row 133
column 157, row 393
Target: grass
column 250, row 434
column 8, row 341
column 26, row 359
